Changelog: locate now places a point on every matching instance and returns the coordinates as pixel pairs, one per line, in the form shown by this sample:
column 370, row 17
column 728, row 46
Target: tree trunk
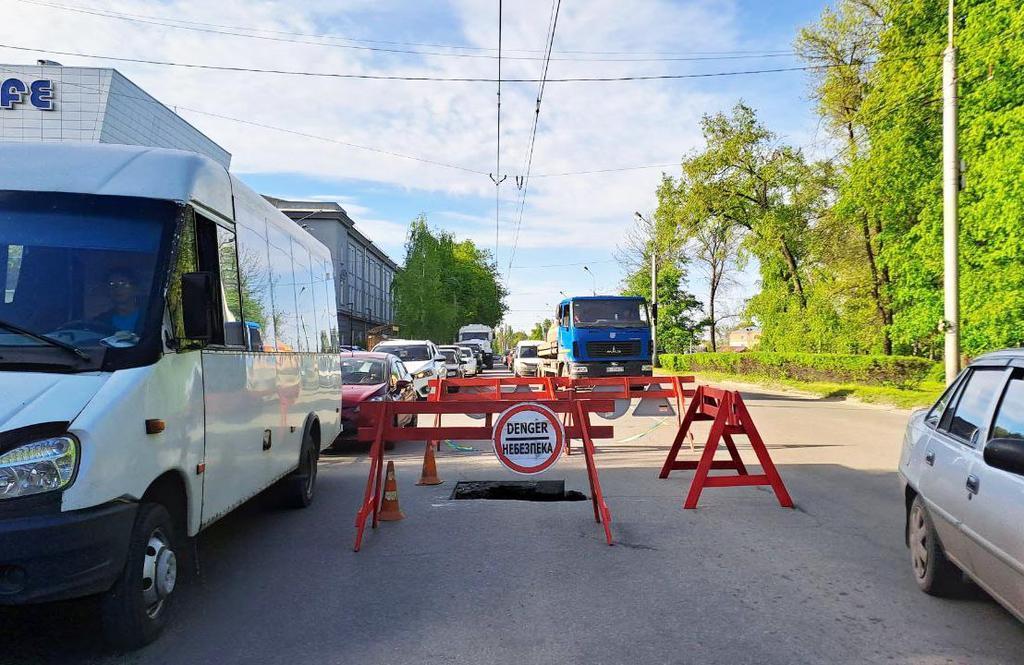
column 877, row 286
column 794, row 275
column 711, row 308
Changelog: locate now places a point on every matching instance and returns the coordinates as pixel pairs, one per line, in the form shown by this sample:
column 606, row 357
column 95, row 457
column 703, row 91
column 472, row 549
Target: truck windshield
column 527, row 351
column 474, row 335
column 79, row 269
column 611, row 312
column 406, row 352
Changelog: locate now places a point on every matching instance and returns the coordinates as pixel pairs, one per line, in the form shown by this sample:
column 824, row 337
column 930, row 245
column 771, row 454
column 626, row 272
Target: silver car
column 962, row 468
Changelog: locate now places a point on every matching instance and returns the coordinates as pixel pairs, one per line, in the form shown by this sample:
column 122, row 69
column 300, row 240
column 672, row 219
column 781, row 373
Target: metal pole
column 950, row 191
column 654, row 301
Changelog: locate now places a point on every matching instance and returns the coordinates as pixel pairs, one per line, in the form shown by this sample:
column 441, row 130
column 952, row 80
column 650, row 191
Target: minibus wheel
column 299, row 487
column 135, row 609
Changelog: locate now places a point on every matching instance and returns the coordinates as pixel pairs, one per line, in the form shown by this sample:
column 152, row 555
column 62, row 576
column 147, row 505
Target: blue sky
column 583, row 126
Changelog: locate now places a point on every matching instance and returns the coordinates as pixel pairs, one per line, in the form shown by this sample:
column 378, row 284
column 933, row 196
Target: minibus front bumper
column 60, row 555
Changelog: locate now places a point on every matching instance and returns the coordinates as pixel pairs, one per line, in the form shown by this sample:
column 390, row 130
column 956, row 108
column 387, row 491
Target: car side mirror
column 197, row 301
column 1006, row 454
column 402, row 384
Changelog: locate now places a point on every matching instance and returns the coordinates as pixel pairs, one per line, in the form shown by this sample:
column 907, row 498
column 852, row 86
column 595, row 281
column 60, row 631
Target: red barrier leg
column 707, row 458
column 735, row 454
column 677, row 443
column 601, row 512
column 774, row 479
column 371, row 495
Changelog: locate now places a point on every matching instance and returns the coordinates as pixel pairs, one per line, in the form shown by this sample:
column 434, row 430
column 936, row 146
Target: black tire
column 299, row 487
column 134, row 611
column 415, row 420
column 934, row 573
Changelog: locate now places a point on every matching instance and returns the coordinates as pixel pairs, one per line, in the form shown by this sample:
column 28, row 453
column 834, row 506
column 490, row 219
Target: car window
column 1009, row 421
column 973, row 403
column 402, row 371
column 935, row 414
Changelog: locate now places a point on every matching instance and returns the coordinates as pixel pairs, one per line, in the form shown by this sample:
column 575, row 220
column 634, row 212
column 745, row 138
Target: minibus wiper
column 71, row 348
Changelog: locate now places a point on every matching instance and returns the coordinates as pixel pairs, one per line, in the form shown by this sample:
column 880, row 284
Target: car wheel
column 135, row 609
column 934, row 573
column 298, row 487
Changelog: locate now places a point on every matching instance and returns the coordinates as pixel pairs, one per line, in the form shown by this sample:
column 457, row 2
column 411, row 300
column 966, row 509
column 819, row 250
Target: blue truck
column 598, row 336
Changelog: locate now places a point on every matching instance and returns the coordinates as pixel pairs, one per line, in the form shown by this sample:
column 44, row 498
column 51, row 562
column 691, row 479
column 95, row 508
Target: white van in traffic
column 167, row 351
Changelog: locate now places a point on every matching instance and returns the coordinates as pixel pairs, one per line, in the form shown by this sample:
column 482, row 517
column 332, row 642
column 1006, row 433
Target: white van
column 167, row 351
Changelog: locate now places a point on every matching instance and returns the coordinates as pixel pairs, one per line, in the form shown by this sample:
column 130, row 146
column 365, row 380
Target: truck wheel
column 934, row 573
column 298, row 487
column 135, row 609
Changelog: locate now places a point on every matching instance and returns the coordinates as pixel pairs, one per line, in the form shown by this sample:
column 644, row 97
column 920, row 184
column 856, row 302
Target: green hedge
column 900, row 371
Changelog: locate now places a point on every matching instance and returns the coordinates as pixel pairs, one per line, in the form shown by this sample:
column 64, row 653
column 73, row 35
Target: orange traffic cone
column 429, row 474
column 389, row 510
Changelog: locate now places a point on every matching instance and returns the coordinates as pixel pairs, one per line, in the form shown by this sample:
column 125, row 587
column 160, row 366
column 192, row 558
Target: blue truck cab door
column 565, row 332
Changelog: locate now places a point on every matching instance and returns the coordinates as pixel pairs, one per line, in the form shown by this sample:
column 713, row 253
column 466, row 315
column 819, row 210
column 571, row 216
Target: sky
column 390, row 150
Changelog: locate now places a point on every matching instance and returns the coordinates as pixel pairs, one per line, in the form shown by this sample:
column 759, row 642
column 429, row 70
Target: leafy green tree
column 445, row 285
column 540, row 329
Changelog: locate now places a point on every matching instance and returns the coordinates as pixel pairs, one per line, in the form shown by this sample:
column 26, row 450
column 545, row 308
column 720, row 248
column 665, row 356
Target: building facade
column 363, row 272
column 51, row 103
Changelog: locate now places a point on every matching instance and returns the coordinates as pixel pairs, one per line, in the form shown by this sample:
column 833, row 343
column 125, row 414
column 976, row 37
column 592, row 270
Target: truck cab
column 599, row 336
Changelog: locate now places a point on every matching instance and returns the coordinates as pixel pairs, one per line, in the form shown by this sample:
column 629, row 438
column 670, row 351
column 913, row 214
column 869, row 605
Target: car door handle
column 973, row 483
column 929, row 458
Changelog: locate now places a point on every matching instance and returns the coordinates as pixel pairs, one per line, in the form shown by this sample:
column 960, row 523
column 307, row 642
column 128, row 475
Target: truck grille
column 613, row 349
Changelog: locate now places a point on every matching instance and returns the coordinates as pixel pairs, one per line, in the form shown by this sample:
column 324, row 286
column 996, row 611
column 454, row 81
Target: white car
column 962, row 469
column 422, row 359
column 469, row 363
column 525, row 361
column 452, row 361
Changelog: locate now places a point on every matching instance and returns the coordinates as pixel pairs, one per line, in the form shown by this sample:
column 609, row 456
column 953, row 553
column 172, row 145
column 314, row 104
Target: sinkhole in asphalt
column 516, row 490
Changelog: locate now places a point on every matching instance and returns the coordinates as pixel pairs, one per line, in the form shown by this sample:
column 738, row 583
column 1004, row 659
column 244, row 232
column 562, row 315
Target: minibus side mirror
column 197, row 298
column 1006, row 454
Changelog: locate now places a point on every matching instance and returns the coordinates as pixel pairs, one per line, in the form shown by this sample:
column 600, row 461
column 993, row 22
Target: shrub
column 899, row 371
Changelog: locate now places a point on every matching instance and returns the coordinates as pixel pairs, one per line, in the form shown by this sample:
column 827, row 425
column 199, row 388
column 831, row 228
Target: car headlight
column 37, row 467
column 422, row 374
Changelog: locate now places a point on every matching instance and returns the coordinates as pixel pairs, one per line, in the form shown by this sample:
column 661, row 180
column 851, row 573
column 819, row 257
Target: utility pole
column 950, row 193
column 654, row 291
column 654, row 307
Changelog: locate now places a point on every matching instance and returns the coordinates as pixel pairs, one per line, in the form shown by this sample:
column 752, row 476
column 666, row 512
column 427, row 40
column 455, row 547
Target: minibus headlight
column 39, row 466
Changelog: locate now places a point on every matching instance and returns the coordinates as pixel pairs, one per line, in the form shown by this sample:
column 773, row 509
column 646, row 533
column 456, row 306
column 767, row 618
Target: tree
column 445, row 285
column 540, row 329
column 676, row 307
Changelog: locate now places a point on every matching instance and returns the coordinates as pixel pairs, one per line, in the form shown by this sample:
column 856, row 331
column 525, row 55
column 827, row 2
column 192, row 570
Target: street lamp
column 593, row 279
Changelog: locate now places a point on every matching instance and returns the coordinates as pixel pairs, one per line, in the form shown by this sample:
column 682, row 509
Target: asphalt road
column 739, row 580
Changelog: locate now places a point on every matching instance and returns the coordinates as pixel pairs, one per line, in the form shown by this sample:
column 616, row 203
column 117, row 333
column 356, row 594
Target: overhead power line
column 252, row 123
column 407, row 77
column 525, row 182
column 305, row 38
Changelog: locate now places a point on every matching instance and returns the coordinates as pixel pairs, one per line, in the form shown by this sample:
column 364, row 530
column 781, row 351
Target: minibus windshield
column 78, row 269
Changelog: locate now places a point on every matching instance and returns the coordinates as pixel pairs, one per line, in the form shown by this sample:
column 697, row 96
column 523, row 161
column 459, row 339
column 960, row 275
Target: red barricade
column 383, row 430
column 729, row 416
column 527, row 389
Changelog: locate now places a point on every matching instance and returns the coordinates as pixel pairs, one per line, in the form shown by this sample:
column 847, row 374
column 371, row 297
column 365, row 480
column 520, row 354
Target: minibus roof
column 117, row 170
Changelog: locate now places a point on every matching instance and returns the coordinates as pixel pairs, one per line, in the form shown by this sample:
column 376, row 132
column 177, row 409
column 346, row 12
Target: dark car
column 368, row 376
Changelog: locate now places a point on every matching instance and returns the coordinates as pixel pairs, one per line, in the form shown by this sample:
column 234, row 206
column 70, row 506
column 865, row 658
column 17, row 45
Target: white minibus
column 168, row 350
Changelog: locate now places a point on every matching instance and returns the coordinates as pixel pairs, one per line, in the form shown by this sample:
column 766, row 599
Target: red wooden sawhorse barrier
column 384, row 430
column 729, row 416
column 528, row 389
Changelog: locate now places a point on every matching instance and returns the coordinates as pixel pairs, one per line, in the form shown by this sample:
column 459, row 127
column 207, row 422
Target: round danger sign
column 528, row 438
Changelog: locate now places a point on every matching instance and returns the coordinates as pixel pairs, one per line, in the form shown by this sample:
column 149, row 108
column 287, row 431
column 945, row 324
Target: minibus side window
column 231, row 294
column 11, row 269
column 184, row 262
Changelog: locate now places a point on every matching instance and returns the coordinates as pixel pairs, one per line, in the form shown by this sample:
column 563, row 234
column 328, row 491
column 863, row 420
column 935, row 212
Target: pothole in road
column 516, row 490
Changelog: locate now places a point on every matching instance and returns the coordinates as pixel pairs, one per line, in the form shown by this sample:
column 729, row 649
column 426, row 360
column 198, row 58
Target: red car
column 372, row 376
